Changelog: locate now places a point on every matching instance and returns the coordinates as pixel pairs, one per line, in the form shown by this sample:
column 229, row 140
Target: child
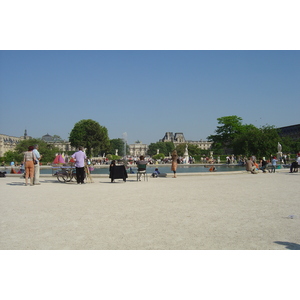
column 155, row 173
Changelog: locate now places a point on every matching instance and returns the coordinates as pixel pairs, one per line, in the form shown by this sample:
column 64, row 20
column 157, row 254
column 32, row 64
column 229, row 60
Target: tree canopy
column 164, row 147
column 246, row 139
column 192, row 149
column 257, row 141
column 230, row 127
column 91, row 135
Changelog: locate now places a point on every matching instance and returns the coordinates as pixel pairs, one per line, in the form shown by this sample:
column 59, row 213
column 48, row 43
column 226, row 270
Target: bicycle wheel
column 63, row 176
column 73, row 176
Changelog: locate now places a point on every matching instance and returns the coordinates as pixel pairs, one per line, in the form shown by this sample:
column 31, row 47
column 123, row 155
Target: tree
column 91, row 135
column 163, row 147
column 256, row 141
column 10, row 156
column 118, row 144
column 230, row 127
column 192, row 149
column 158, row 156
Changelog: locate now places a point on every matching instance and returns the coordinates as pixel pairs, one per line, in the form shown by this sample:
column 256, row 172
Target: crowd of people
column 30, row 165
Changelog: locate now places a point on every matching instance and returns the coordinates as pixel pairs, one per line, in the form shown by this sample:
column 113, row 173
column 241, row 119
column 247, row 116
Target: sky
column 146, row 93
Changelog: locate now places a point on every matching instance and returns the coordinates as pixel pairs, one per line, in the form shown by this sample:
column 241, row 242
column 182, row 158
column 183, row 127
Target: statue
column 186, row 148
column 279, row 147
column 186, row 155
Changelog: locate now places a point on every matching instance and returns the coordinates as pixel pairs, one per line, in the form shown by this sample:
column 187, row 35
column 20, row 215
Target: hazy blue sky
column 146, row 93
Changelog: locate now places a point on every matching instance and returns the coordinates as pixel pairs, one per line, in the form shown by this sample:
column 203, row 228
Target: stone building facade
column 178, row 138
column 62, row 145
column 138, row 149
column 9, row 143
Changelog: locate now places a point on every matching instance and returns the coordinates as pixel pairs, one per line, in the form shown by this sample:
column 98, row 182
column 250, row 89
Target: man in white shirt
column 38, row 156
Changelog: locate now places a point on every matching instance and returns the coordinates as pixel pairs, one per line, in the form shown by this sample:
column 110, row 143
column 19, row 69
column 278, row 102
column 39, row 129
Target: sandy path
column 237, row 211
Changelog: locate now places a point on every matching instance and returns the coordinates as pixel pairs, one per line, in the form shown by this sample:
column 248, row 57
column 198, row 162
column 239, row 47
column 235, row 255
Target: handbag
column 34, row 161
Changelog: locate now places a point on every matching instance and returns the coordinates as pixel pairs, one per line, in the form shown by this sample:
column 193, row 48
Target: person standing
column 174, row 162
column 274, row 163
column 29, row 159
column 38, row 156
column 79, row 158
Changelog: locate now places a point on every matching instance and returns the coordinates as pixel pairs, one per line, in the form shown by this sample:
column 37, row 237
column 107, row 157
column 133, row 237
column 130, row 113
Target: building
column 292, row 131
column 62, row 145
column 138, row 149
column 9, row 143
column 178, row 138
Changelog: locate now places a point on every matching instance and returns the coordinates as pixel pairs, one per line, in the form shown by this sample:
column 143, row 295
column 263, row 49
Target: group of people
column 142, row 163
column 253, row 167
column 31, row 161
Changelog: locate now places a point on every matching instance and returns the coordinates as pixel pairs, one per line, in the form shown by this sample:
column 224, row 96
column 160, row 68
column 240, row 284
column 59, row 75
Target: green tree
column 230, row 127
column 163, row 147
column 158, row 156
column 256, row 141
column 47, row 151
column 10, row 156
column 192, row 149
column 91, row 135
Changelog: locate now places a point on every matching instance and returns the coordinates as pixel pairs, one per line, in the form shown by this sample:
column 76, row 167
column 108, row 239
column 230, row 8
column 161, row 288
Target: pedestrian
column 175, row 161
column 79, row 158
column 36, row 180
column 29, row 159
column 274, row 164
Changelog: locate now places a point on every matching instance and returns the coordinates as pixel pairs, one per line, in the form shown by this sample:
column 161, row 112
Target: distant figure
column 174, row 162
column 112, row 164
column 22, row 168
column 294, row 167
column 212, row 169
column 228, row 159
column 12, row 168
column 155, row 173
column 250, row 166
column 263, row 165
column 139, row 163
column 80, row 158
column 274, row 163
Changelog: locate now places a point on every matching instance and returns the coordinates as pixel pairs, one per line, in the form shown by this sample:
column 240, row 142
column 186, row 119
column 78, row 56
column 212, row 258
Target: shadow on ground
column 290, row 246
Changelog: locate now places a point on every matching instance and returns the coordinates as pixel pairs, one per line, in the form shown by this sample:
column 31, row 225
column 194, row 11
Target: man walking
column 80, row 158
column 36, row 180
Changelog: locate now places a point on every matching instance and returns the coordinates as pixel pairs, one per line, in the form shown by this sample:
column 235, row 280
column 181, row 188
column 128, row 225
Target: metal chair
column 141, row 171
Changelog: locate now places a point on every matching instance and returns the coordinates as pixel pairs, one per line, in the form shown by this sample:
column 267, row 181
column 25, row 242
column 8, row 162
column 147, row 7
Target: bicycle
column 65, row 174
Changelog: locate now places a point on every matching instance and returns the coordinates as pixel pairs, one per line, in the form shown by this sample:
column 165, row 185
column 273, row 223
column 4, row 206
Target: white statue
column 186, row 148
column 279, row 147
